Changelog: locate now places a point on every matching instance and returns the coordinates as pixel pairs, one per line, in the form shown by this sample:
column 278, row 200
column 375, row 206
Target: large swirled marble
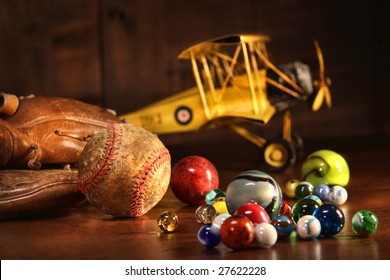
column 254, row 186
column 325, row 167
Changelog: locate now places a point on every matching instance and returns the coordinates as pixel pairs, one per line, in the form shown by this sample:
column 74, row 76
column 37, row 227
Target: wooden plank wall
column 122, row 54
column 50, row 48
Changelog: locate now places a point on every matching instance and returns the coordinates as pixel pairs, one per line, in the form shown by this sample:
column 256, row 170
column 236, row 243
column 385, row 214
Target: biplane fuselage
column 184, row 112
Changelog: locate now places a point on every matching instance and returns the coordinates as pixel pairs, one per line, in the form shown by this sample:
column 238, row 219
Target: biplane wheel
column 279, row 154
column 297, row 144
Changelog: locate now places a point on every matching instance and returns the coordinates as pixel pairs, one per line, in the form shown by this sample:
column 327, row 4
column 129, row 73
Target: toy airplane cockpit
column 237, row 83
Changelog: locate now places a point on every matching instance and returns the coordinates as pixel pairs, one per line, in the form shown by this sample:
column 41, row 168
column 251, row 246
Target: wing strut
column 200, row 86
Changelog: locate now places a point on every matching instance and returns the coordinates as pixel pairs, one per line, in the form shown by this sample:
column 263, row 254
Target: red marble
column 237, row 232
column 192, row 178
column 283, row 225
column 254, row 212
column 286, row 209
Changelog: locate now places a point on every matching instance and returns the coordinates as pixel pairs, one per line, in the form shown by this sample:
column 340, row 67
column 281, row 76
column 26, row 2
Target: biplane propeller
column 237, row 83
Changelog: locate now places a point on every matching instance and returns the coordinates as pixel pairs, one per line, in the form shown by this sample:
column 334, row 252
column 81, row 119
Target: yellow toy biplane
column 236, row 83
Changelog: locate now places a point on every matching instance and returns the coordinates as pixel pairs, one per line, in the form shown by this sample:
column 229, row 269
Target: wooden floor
column 84, row 233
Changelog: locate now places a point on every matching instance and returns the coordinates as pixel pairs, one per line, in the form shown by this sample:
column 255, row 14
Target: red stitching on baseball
column 114, row 135
column 146, row 174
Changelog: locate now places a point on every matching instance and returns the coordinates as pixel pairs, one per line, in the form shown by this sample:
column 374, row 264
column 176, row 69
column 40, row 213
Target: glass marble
column 254, row 212
column 337, row 195
column 322, row 192
column 205, row 214
column 315, row 198
column 207, row 237
column 325, row 167
column 283, row 225
column 289, row 188
column 308, row 227
column 237, row 232
column 265, row 235
column 168, row 221
column 331, row 218
column 214, row 194
column 303, row 207
column 218, row 221
column 254, row 186
column 365, row 223
column 303, row 189
column 220, row 198
column 220, row 205
column 286, row 209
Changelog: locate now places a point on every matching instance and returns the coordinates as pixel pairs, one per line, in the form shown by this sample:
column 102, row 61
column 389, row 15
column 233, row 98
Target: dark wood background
column 122, row 54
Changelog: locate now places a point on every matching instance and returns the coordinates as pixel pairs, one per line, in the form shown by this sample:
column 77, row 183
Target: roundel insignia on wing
column 183, row 115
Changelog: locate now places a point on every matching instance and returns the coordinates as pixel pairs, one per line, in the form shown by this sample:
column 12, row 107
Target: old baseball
column 124, row 170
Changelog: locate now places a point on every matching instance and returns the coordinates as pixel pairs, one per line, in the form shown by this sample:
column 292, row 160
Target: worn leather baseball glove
column 37, row 136
column 30, row 191
column 46, row 130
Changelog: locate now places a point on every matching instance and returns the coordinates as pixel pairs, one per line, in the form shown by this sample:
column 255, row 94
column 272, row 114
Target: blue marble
column 207, row 237
column 331, row 218
column 322, row 192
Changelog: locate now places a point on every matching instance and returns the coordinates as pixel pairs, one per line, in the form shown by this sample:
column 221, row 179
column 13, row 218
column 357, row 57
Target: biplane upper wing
column 216, row 63
column 215, row 44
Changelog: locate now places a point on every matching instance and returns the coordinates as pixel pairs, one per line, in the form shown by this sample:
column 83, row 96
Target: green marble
column 305, row 206
column 304, row 189
column 213, row 195
column 365, row 223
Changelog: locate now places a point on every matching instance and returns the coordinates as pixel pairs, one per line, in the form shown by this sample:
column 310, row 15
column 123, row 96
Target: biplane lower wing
column 236, row 118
